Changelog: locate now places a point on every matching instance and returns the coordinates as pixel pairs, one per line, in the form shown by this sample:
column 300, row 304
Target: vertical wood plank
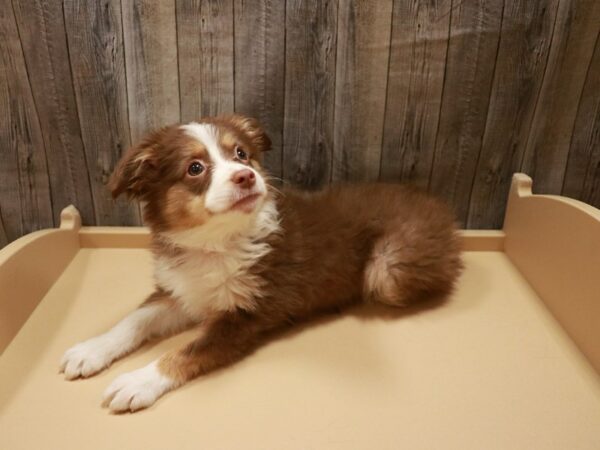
column 419, row 45
column 13, row 113
column 363, row 49
column 205, row 45
column 25, row 201
column 572, row 47
column 3, row 236
column 310, row 43
column 259, row 69
column 526, row 33
column 42, row 32
column 149, row 33
column 582, row 178
column 95, row 42
column 10, row 195
column 472, row 51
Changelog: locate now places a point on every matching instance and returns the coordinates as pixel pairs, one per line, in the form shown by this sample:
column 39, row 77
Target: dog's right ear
column 133, row 171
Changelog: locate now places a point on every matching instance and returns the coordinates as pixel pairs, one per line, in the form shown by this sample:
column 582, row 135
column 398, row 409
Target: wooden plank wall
column 452, row 95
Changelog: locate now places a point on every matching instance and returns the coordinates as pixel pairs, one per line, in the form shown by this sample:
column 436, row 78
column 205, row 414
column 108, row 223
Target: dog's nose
column 244, row 178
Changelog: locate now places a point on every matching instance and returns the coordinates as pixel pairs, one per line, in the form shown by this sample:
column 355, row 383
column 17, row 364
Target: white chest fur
column 204, row 281
column 217, row 277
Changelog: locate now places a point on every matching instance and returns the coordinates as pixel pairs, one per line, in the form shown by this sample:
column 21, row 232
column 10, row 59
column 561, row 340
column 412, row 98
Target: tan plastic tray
column 508, row 362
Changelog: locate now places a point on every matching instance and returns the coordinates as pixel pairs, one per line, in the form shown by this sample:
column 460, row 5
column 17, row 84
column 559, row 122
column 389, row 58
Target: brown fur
column 381, row 243
column 373, row 242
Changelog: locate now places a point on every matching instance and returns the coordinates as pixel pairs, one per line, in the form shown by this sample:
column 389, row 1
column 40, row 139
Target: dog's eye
column 195, row 168
column 241, row 154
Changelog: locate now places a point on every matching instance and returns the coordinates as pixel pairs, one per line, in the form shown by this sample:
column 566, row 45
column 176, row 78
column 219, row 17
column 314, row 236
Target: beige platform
column 498, row 366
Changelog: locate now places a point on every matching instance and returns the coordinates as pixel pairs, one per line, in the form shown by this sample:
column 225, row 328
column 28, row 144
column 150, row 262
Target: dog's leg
column 223, row 341
column 158, row 316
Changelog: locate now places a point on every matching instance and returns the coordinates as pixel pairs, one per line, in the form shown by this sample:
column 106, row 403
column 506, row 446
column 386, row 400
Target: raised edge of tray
column 139, row 237
column 553, row 241
column 45, row 254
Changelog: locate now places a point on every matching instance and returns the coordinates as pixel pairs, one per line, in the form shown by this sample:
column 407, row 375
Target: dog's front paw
column 86, row 359
column 136, row 390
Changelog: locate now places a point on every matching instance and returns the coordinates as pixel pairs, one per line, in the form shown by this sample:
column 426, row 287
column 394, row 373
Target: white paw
column 136, row 390
column 86, row 358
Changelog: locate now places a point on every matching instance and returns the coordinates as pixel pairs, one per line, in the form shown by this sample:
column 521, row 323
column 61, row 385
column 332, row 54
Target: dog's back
column 378, row 242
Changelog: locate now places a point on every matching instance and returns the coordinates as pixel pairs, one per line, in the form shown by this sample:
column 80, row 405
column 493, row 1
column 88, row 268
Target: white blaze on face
column 222, row 193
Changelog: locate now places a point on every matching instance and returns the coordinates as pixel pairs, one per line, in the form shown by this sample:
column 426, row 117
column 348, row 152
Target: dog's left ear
column 136, row 169
column 253, row 130
column 130, row 175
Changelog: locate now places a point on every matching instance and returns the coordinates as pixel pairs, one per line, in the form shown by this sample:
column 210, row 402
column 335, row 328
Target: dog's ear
column 134, row 170
column 253, row 131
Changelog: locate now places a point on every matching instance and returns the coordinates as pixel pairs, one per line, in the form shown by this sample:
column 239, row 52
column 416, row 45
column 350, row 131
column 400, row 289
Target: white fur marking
column 90, row 357
column 136, row 390
column 212, row 273
column 207, row 134
column 222, row 192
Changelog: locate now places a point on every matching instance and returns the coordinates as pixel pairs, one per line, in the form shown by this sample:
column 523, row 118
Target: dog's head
column 204, row 174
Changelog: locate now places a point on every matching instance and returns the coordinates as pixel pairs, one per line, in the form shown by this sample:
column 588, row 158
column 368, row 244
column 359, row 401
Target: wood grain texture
column 582, row 178
column 310, row 43
column 522, row 56
column 149, row 34
column 95, row 40
column 25, row 201
column 205, row 46
column 4, row 239
column 42, row 33
column 472, row 51
column 419, row 45
column 363, row 49
column 259, row 70
column 547, row 151
column 451, row 95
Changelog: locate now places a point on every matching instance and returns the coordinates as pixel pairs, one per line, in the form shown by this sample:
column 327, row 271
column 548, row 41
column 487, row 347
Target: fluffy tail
column 415, row 259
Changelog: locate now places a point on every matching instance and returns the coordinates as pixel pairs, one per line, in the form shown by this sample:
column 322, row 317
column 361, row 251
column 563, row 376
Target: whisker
column 275, row 190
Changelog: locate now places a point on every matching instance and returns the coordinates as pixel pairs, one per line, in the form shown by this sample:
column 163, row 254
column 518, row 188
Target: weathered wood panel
column 95, row 40
column 419, row 45
column 4, row 239
column 205, row 46
column 524, row 43
column 582, row 178
column 310, row 43
column 25, row 202
column 472, row 52
column 572, row 47
column 363, row 48
column 10, row 205
column 42, row 32
column 149, row 34
column 448, row 94
column 259, row 70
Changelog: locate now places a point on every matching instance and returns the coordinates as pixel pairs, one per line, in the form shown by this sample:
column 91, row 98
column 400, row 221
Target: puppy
column 240, row 260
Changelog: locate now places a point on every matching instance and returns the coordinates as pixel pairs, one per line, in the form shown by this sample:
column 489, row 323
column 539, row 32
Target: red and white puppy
column 240, row 260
